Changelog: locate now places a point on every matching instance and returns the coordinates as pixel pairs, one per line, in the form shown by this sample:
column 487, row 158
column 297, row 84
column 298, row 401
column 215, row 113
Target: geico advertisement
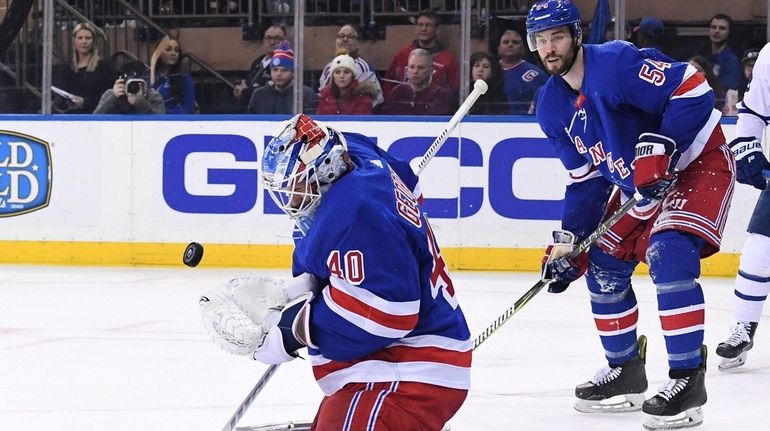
column 491, row 184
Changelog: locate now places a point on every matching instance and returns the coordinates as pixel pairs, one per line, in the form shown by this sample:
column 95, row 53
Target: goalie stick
column 479, row 88
column 582, row 247
column 250, row 397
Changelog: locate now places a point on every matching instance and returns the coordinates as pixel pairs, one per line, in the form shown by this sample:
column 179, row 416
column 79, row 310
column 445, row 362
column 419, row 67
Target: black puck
column 192, row 254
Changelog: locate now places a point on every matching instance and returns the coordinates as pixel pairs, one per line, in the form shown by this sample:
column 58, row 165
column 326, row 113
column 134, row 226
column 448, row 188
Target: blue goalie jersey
column 625, row 92
column 388, row 311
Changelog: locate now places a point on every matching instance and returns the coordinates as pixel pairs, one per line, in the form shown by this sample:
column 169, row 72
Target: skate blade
column 616, row 404
column 730, row 363
column 687, row 419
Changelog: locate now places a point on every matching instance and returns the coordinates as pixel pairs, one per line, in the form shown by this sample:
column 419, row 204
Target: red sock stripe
column 617, row 323
column 682, row 320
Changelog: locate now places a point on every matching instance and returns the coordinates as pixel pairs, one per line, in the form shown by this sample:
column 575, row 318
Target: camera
column 134, row 85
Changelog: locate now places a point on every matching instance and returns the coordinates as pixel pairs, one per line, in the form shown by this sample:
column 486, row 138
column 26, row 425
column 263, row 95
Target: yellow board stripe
column 275, row 256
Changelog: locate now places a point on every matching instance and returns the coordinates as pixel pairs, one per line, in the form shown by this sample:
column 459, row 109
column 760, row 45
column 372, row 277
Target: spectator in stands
column 86, row 76
column 446, row 72
column 649, row 33
column 419, row 96
column 520, row 78
column 259, row 72
column 347, row 39
column 609, row 31
column 725, row 63
column 705, row 67
column 166, row 76
column 277, row 97
column 131, row 94
column 493, row 102
column 747, row 61
column 346, row 95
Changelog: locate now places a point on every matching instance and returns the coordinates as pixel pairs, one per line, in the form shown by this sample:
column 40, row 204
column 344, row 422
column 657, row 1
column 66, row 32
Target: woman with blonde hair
column 166, row 76
column 345, row 94
column 86, row 76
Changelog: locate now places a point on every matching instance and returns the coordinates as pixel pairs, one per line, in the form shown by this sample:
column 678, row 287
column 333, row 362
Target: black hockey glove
column 557, row 267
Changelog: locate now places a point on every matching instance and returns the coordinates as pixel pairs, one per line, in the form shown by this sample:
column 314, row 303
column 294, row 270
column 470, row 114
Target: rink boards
column 135, row 190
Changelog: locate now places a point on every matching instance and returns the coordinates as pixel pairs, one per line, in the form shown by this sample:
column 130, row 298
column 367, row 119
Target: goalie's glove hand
column 557, row 267
column 750, row 161
column 654, row 163
column 238, row 314
column 288, row 330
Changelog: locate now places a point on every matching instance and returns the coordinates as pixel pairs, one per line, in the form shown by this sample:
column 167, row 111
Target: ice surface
column 123, row 349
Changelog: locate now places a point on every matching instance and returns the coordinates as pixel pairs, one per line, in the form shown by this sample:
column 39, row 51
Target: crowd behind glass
column 423, row 77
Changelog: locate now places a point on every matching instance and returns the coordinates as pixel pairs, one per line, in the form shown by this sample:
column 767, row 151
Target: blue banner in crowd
column 599, row 23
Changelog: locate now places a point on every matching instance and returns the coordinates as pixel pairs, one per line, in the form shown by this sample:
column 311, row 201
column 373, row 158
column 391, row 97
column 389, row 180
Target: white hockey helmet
column 299, row 165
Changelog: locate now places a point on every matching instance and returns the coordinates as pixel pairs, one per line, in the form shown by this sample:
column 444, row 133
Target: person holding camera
column 130, row 94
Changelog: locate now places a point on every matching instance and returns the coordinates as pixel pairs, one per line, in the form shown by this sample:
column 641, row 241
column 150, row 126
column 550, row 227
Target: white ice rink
column 123, row 349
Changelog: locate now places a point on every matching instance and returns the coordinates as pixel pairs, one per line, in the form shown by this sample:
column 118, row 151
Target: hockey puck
column 192, row 254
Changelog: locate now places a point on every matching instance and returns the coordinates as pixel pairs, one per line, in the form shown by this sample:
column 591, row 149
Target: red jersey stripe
column 400, row 354
column 689, row 84
column 354, row 305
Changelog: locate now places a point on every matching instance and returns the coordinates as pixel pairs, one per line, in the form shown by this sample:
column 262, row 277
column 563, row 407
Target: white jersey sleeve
column 754, row 109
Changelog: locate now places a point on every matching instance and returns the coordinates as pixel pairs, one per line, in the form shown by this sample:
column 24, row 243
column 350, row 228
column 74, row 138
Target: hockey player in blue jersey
column 753, row 281
column 636, row 121
column 371, row 298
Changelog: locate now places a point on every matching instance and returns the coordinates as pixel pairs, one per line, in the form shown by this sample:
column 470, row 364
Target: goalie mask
column 299, row 165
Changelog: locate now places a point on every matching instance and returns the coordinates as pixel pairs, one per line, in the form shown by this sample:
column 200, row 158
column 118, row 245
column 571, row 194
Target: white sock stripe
column 682, row 331
column 681, row 310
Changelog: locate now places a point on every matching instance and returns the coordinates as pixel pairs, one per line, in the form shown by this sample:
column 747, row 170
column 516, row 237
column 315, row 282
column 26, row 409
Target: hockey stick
column 250, row 398
column 479, row 88
column 582, row 247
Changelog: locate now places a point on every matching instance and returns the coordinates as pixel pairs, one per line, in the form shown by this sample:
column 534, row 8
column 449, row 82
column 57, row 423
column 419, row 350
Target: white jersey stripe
column 433, row 373
column 362, row 322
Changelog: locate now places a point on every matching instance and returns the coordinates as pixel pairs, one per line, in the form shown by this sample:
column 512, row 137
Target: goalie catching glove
column 261, row 317
column 750, row 161
column 557, row 267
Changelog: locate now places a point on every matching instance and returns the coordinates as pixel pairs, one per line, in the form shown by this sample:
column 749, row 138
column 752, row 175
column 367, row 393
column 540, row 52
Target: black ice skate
column 678, row 403
column 615, row 390
column 733, row 350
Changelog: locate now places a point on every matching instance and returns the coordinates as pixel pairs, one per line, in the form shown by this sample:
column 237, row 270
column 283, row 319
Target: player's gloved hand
column 750, row 161
column 653, row 165
column 557, row 267
column 288, row 331
column 236, row 315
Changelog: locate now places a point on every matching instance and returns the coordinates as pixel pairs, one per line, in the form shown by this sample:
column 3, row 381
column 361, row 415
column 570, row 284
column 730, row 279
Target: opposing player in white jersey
column 753, row 281
column 371, row 298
